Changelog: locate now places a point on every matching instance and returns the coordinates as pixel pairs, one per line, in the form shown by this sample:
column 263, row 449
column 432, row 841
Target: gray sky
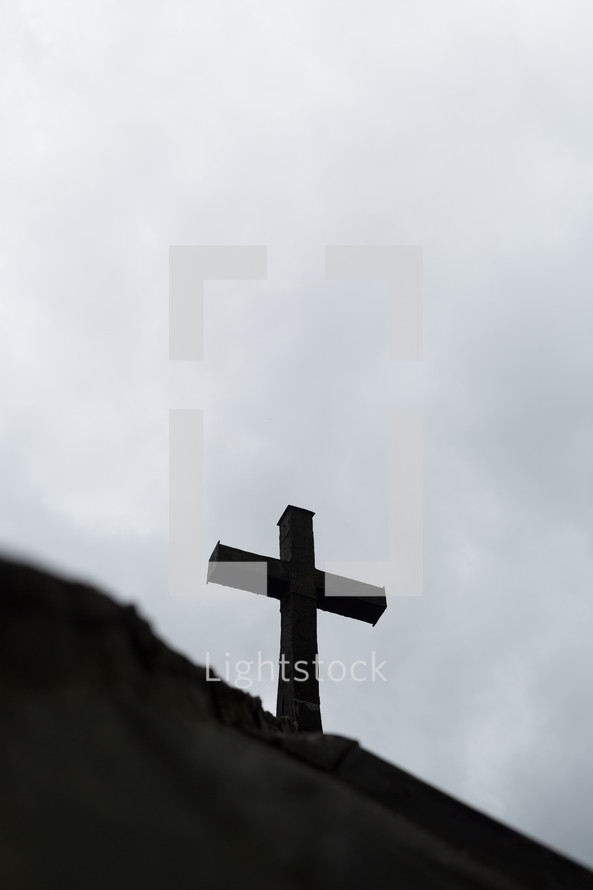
column 464, row 127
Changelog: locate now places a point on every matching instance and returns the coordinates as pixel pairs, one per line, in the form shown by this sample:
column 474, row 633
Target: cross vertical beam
column 298, row 684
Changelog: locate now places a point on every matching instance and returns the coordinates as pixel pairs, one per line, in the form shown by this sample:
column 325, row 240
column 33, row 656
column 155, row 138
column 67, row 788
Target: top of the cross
column 298, row 510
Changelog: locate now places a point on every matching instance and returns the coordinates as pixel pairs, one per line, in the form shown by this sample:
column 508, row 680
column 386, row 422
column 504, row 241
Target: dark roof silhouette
column 123, row 767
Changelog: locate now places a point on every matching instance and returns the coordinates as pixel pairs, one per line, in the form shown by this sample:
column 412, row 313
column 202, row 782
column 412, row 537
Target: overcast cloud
column 464, row 127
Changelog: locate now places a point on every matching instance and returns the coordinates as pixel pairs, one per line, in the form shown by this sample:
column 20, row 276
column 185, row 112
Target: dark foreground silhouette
column 122, row 767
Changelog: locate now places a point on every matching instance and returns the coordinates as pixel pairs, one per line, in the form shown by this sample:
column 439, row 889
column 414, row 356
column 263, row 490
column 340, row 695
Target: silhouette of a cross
column 301, row 589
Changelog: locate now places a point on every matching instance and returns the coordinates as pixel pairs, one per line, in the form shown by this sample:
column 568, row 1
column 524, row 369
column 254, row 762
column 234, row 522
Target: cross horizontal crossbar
column 231, row 567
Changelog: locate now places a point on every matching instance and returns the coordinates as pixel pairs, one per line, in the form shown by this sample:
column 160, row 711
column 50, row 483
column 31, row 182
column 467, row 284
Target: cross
column 301, row 589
